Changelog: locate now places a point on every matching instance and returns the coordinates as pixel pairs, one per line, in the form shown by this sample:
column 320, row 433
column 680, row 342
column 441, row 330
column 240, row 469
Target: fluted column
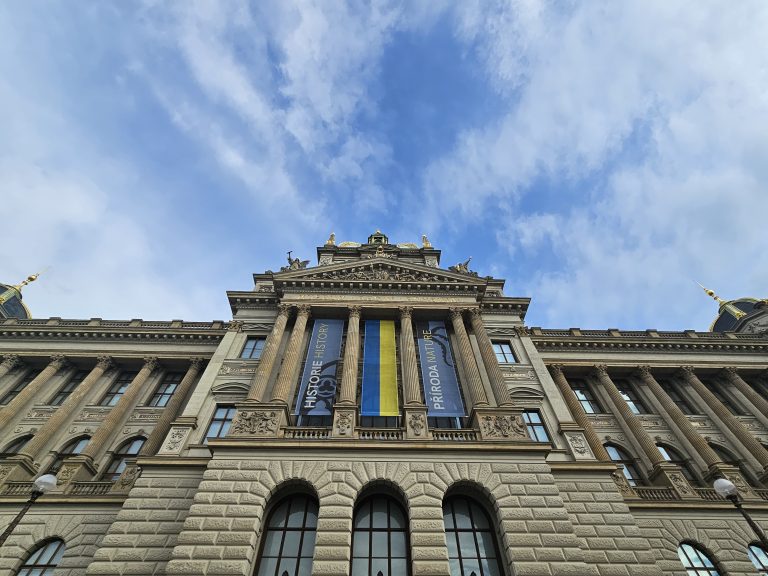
column 408, row 354
column 578, row 412
column 500, row 390
column 735, row 380
column 292, row 358
column 351, row 357
column 631, row 419
column 269, row 354
column 59, row 418
column 679, row 418
column 476, row 389
column 31, row 390
column 10, row 361
column 100, row 439
column 172, row 409
column 734, row 424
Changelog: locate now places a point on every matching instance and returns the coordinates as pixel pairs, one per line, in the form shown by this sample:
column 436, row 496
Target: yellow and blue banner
column 379, row 397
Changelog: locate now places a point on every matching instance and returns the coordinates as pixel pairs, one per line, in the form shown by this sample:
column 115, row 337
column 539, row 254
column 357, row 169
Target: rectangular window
column 584, row 395
column 734, row 408
column 536, row 429
column 758, row 386
column 166, row 389
column 253, row 348
column 676, row 397
column 630, row 397
column 220, row 423
column 118, row 388
column 504, row 353
column 66, row 390
column 16, row 390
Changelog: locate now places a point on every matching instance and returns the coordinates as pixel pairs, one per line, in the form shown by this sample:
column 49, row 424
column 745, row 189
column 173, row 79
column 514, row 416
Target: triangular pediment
column 379, row 270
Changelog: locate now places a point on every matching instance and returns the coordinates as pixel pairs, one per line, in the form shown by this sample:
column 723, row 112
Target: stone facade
column 223, row 448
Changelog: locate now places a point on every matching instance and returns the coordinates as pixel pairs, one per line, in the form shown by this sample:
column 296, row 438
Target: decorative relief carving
column 504, row 426
column 680, row 484
column 652, row 421
column 45, row 413
column 242, row 369
column 254, row 422
column 5, row 469
column 128, row 477
column 603, row 422
column 93, row 413
column 265, row 288
column 416, row 423
column 522, row 331
column 518, row 373
column 175, row 439
column 621, row 483
column 344, row 423
column 66, row 473
column 380, row 272
column 235, row 326
column 578, row 445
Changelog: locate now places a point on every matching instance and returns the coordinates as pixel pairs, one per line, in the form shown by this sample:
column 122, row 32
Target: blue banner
column 438, row 372
column 317, row 393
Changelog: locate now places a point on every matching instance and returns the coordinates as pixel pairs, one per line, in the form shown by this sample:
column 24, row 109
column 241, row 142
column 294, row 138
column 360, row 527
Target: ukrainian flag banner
column 379, row 370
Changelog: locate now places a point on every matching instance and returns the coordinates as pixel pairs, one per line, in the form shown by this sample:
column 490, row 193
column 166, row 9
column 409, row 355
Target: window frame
column 67, row 450
column 534, row 428
column 368, row 500
column 254, row 348
column 674, row 394
column 18, row 388
column 759, row 560
column 630, row 396
column 68, row 387
column 630, row 469
column 309, row 501
column 225, row 422
column 58, row 549
column 581, row 386
column 118, row 388
column 674, row 456
column 161, row 396
column 453, row 531
column 117, row 463
column 701, row 555
column 503, row 356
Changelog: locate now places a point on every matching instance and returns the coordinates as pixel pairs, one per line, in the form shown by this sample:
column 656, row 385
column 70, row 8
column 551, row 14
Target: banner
column 379, row 370
column 318, row 382
column 438, row 373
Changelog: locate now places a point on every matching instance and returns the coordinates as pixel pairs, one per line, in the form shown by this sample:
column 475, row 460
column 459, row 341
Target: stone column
column 408, row 354
column 735, row 380
column 347, row 396
column 100, row 439
column 476, row 389
column 10, row 361
column 60, row 418
column 269, row 355
column 32, row 389
column 172, row 409
column 578, row 412
column 634, row 423
column 500, row 390
column 292, row 358
column 734, row 424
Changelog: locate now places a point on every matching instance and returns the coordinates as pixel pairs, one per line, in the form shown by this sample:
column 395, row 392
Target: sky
column 602, row 157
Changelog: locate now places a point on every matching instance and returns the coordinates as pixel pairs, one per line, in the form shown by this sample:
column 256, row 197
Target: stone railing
column 380, row 434
column 658, row 493
column 90, row 488
column 17, row 489
column 306, row 433
column 455, row 435
column 708, row 494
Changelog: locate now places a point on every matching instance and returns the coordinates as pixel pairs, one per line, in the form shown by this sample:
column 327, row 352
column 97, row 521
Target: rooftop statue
column 294, row 263
column 463, row 268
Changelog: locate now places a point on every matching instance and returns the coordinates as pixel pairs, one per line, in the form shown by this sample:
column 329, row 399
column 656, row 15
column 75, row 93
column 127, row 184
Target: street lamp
column 41, row 485
column 728, row 490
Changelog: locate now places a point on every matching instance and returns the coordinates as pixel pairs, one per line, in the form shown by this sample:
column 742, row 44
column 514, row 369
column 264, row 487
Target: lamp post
column 42, row 485
column 728, row 490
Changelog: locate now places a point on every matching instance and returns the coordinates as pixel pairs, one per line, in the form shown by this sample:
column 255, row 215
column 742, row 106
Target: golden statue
column 331, row 240
column 425, row 243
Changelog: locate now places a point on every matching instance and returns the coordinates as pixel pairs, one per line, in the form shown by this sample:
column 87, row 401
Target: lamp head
column 45, row 483
column 725, row 488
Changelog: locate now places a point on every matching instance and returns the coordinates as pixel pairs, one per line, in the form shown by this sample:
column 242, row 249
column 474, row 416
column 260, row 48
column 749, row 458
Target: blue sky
column 601, row 157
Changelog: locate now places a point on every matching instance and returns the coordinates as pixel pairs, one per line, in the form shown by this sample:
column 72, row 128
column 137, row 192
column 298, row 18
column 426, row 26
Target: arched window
column 43, row 561
column 759, row 557
column 289, row 540
column 117, row 465
column 380, row 544
column 16, row 445
column 630, row 469
column 673, row 456
column 728, row 458
column 695, row 561
column 73, row 447
column 471, row 538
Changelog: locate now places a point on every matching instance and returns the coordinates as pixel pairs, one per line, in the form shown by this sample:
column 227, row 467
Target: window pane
column 268, row 566
column 397, row 545
column 379, row 513
column 308, row 544
column 283, row 546
column 379, row 545
column 380, row 565
column 291, row 543
column 360, row 545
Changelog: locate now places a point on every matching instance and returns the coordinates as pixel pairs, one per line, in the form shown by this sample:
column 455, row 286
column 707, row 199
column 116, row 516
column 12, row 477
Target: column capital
column 687, row 372
column 235, row 325
column 196, row 362
column 58, row 361
column 354, row 311
column 150, row 363
column 10, row 361
column 304, row 309
column 601, row 370
column 476, row 312
column 104, row 362
column 643, row 370
column 521, row 330
column 457, row 313
column 284, row 309
column 730, row 372
column 405, row 311
column 556, row 369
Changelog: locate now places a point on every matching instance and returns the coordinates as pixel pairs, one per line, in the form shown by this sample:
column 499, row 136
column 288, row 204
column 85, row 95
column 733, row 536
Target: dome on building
column 11, row 305
column 749, row 315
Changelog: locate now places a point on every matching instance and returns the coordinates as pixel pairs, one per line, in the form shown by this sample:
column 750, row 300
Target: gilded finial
column 331, row 240
column 425, row 243
column 733, row 310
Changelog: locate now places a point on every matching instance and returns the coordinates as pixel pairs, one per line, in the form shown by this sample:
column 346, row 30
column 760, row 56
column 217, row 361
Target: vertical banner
column 379, row 396
column 318, row 382
column 438, row 374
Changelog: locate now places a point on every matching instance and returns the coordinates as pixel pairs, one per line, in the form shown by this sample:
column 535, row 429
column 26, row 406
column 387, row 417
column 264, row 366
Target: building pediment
column 379, row 271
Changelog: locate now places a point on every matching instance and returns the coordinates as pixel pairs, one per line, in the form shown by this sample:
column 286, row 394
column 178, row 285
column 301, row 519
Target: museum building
column 380, row 414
